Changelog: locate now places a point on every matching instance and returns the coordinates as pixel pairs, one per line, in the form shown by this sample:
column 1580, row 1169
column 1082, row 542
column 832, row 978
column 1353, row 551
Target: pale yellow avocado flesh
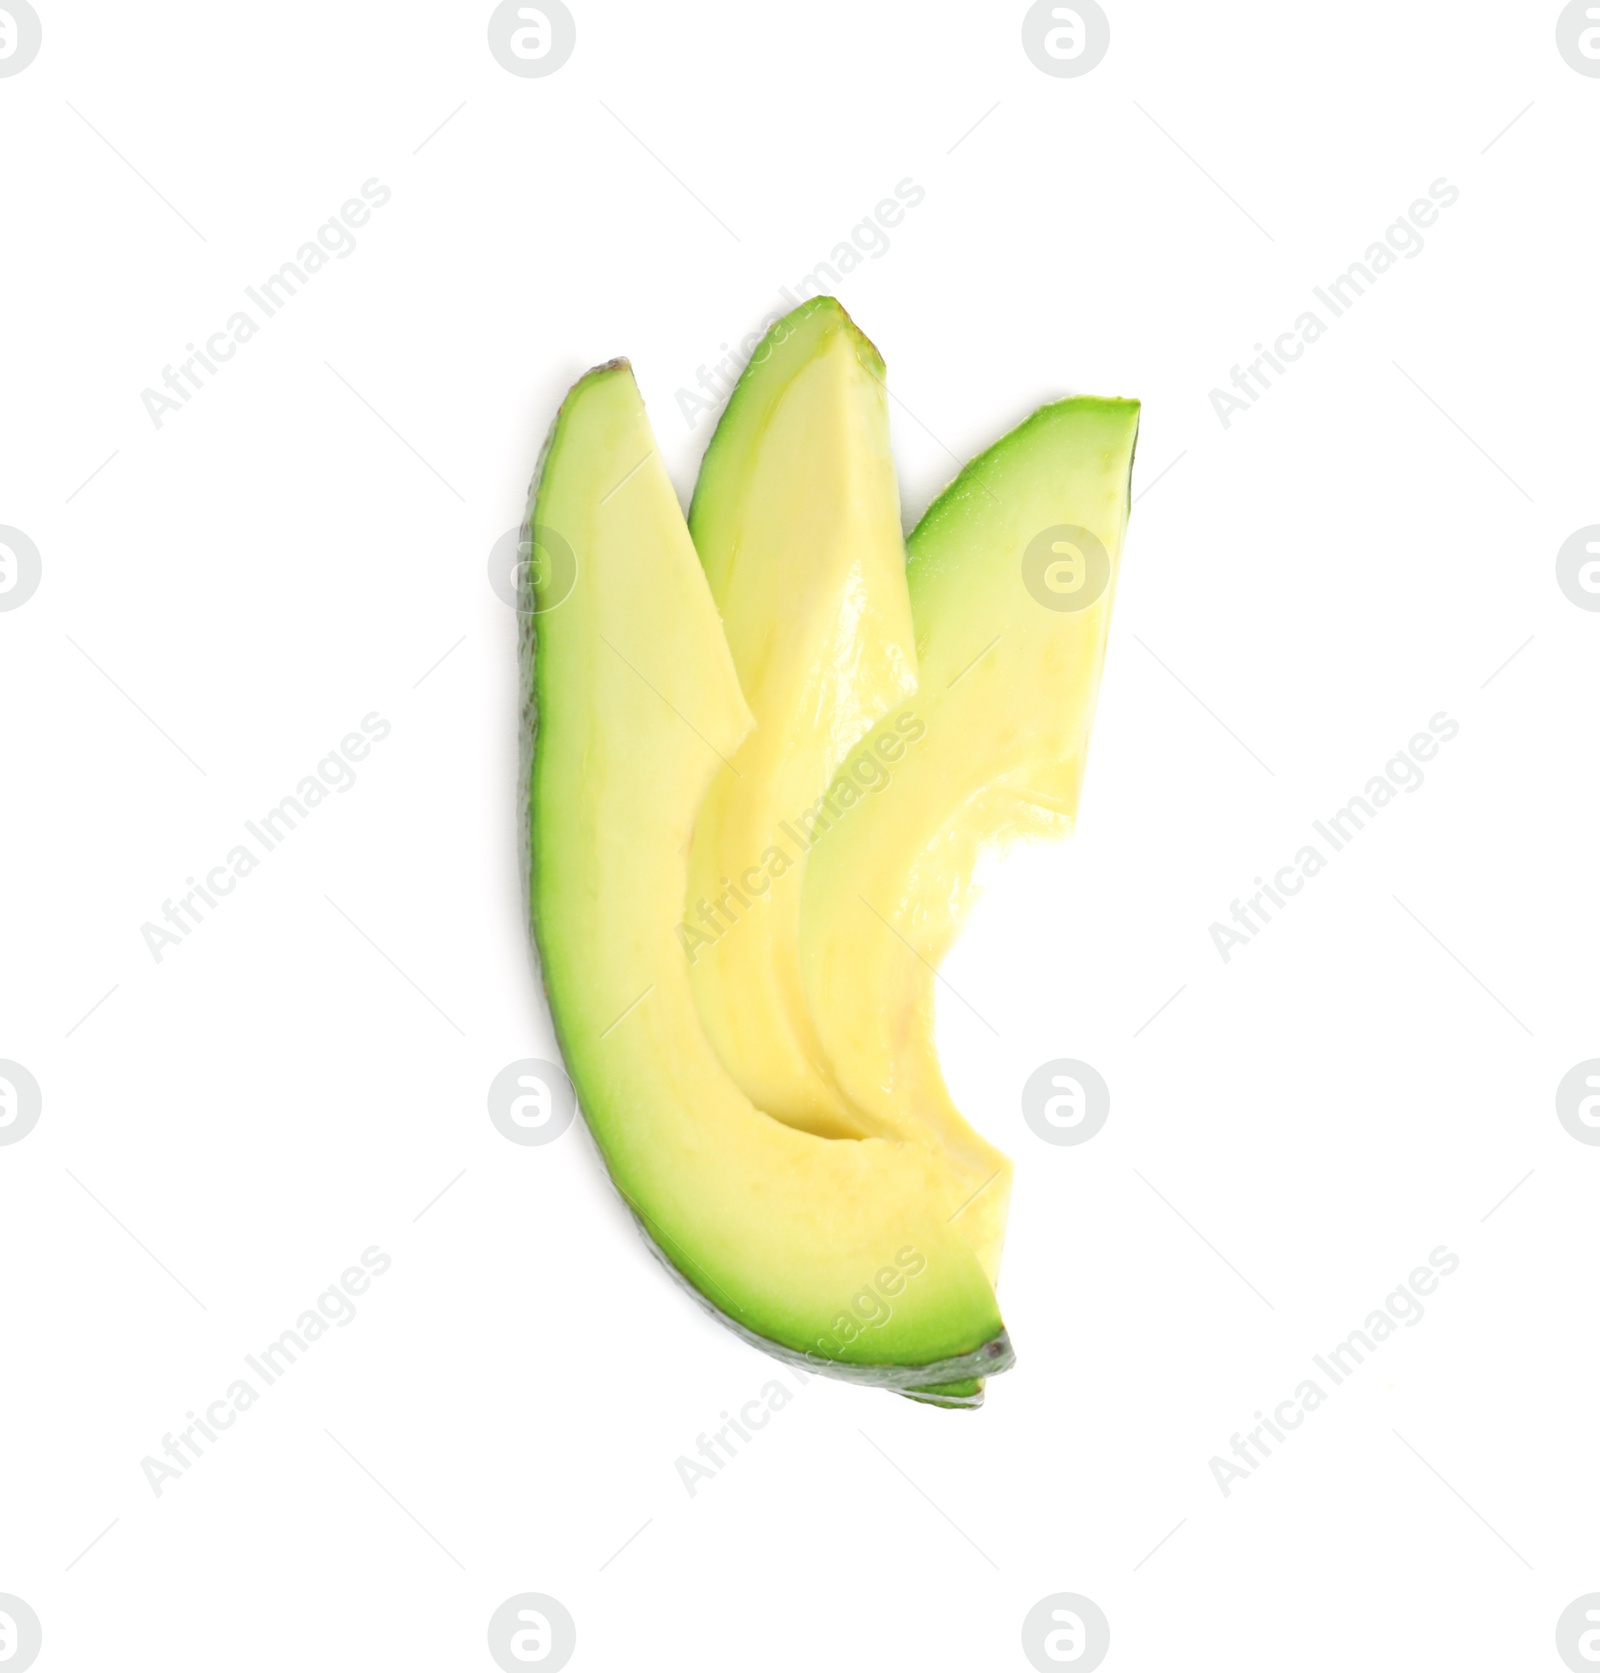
column 796, row 517
column 634, row 712
column 1008, row 677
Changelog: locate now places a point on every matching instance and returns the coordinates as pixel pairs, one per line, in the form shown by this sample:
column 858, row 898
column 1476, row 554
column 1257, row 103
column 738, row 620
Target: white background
column 1345, row 560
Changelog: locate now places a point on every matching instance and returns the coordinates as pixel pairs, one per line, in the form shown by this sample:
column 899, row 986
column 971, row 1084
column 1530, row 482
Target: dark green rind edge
column 993, row 1357
column 528, row 689
column 946, row 1402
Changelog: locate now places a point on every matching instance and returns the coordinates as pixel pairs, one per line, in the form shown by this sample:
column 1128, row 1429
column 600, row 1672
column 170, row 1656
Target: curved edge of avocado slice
column 527, row 681
column 789, row 343
column 964, row 1396
column 932, row 1382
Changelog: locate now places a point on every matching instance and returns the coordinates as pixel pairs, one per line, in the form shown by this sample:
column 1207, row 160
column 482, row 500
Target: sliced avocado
column 796, row 518
column 633, row 710
column 966, row 1395
column 1012, row 572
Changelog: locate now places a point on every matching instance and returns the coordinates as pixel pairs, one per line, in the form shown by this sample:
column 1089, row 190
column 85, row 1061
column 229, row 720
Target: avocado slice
column 1012, row 571
column 633, row 710
column 964, row 1395
column 796, row 518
